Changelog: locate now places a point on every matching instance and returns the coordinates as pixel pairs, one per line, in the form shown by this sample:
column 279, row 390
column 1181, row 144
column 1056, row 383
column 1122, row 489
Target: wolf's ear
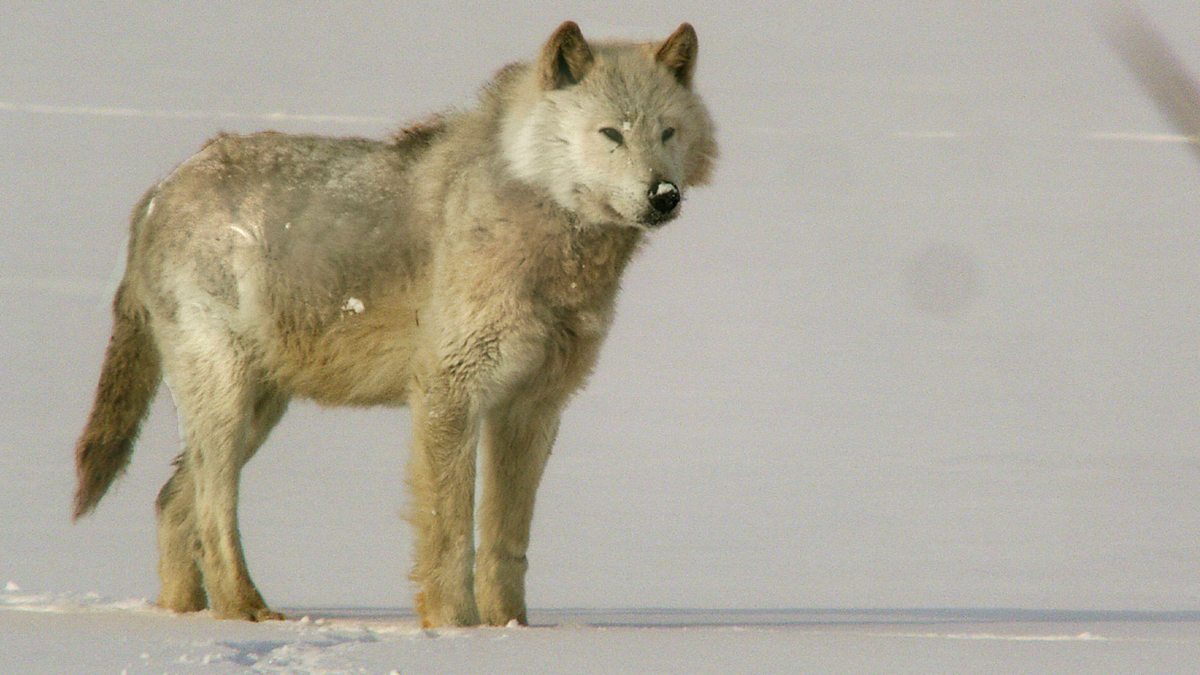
column 565, row 59
column 678, row 53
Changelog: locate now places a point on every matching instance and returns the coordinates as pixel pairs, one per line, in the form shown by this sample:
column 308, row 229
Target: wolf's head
column 613, row 131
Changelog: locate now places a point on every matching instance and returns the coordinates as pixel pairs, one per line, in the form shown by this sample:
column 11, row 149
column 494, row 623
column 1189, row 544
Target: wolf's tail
column 128, row 381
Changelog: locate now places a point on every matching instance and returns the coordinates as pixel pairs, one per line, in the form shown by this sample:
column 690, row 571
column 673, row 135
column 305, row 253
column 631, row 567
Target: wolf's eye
column 668, row 133
column 613, row 135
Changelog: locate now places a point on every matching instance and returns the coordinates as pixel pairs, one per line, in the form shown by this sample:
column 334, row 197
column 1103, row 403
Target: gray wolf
column 466, row 268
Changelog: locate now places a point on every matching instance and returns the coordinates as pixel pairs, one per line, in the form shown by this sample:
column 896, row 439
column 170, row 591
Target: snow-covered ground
column 87, row 634
column 931, row 340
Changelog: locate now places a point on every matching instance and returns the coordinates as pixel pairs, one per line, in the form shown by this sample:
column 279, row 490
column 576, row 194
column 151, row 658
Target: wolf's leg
column 178, row 571
column 224, row 413
column 442, row 484
column 178, row 544
column 517, row 442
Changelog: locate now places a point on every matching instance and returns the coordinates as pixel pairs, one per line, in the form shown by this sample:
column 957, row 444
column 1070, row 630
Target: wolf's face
column 615, row 134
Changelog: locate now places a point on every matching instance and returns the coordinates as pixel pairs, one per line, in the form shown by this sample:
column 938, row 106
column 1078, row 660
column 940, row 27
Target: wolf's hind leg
column 516, row 442
column 224, row 413
column 182, row 588
column 178, row 542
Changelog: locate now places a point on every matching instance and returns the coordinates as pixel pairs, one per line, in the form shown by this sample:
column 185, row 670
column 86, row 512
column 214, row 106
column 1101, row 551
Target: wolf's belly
column 363, row 357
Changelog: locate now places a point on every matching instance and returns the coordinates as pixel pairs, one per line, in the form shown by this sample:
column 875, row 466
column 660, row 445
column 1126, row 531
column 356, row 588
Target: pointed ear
column 565, row 59
column 678, row 53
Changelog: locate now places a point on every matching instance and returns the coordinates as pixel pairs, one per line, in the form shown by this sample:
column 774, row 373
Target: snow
column 912, row 386
column 353, row 305
column 42, row 629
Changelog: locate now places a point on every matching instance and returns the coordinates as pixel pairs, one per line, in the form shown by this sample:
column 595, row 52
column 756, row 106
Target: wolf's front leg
column 517, row 442
column 442, row 483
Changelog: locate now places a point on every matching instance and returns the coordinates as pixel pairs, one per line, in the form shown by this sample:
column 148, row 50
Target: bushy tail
column 128, row 381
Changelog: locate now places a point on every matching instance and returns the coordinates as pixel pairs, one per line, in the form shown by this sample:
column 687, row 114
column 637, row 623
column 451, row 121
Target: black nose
column 664, row 196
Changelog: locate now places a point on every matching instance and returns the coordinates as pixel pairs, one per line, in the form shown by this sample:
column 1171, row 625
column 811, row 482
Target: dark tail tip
column 98, row 464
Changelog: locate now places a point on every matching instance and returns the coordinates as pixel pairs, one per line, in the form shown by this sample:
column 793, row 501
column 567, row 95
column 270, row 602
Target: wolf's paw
column 255, row 614
column 501, row 604
column 441, row 616
column 265, row 614
column 182, row 603
column 506, row 619
column 498, row 611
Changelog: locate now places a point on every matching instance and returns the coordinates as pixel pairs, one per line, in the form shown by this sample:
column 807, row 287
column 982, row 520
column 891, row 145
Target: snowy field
column 86, row 634
column 913, row 386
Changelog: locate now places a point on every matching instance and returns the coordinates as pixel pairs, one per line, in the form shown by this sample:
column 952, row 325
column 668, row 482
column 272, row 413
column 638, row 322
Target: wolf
column 466, row 268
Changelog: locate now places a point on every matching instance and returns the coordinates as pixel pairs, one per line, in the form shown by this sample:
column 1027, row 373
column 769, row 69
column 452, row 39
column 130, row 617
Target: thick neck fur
column 593, row 259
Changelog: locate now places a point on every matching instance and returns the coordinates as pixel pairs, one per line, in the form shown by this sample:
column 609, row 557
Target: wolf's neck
column 593, row 259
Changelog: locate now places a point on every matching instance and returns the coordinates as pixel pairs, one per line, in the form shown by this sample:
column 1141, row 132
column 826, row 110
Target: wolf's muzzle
column 664, row 197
